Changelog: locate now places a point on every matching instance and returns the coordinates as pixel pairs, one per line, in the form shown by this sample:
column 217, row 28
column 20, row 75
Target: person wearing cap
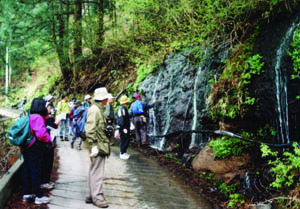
column 63, row 110
column 87, row 101
column 123, row 125
column 98, row 145
column 78, row 124
column 138, row 111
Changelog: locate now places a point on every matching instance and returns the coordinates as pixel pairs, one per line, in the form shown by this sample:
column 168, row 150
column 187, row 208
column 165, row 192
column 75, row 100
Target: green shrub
column 225, row 147
column 285, row 168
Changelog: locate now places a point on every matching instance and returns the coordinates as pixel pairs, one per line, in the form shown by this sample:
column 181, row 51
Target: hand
column 94, row 151
column 125, row 131
column 57, row 123
column 154, row 100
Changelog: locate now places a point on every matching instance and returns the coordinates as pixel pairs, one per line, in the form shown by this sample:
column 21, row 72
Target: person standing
column 78, row 124
column 98, row 145
column 138, row 111
column 87, row 101
column 48, row 154
column 63, row 110
column 109, row 111
column 123, row 124
column 33, row 154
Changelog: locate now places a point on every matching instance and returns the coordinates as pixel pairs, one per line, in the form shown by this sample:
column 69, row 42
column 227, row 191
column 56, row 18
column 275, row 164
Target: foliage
column 230, row 96
column 285, row 168
column 227, row 189
column 225, row 147
column 235, row 199
column 295, row 54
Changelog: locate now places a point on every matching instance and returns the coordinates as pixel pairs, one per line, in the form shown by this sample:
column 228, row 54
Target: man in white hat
column 87, row 101
column 99, row 146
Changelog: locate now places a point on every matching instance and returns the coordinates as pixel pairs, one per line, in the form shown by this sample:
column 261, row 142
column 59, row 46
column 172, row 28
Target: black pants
column 47, row 163
column 124, row 141
column 32, row 169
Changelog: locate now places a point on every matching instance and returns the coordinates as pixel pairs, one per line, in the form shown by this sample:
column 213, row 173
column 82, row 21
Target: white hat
column 49, row 97
column 101, row 94
column 110, row 96
column 87, row 97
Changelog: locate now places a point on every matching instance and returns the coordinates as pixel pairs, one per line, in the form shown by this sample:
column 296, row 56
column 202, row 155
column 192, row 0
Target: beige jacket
column 95, row 129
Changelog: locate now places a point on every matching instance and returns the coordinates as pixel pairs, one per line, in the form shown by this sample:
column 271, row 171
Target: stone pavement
column 139, row 183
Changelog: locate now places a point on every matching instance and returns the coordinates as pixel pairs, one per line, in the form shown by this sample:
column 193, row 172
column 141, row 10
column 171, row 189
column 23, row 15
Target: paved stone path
column 139, row 183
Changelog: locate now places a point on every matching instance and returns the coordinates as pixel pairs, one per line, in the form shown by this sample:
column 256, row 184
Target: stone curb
column 9, row 181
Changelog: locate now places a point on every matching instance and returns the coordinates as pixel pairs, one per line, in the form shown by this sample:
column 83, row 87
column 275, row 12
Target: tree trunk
column 77, row 38
column 59, row 41
column 99, row 31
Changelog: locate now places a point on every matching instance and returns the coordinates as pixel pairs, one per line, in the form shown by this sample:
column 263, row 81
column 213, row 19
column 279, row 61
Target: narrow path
column 10, row 113
column 139, row 183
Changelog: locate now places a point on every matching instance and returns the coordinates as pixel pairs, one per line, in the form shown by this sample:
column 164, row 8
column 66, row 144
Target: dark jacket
column 123, row 120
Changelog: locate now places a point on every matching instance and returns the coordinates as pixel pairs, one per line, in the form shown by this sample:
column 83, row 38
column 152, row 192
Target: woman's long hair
column 38, row 106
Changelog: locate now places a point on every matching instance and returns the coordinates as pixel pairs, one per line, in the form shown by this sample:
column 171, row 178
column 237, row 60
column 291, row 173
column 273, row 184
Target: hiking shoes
column 101, row 204
column 124, row 156
column 66, row 139
column 88, row 200
column 42, row 200
column 28, row 198
column 72, row 145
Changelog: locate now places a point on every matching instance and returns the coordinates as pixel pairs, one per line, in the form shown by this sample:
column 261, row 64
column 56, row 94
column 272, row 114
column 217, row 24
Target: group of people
column 88, row 122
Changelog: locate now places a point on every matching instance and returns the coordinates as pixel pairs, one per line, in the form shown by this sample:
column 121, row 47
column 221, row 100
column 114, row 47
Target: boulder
column 225, row 169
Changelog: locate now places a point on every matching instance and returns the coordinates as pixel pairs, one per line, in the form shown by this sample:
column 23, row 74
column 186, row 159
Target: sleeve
column 101, row 128
column 121, row 115
column 59, row 108
column 147, row 106
column 40, row 131
column 91, row 127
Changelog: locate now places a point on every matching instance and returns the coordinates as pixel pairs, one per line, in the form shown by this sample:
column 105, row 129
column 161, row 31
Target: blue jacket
column 79, row 120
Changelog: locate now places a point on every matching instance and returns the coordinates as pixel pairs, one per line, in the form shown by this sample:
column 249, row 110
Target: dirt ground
column 15, row 201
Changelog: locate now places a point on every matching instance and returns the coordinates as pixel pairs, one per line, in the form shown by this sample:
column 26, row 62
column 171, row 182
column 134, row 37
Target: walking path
column 139, row 183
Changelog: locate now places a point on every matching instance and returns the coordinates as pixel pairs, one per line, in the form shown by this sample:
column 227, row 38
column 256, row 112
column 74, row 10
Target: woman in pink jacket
column 33, row 153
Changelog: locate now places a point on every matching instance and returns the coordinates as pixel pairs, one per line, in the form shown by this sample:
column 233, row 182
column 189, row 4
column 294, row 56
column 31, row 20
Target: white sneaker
column 47, row 186
column 42, row 200
column 123, row 156
column 28, row 197
column 127, row 155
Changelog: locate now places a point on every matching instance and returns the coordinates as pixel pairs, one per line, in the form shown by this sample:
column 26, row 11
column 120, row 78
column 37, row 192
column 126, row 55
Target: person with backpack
column 63, row 110
column 123, row 125
column 78, row 124
column 33, row 153
column 138, row 110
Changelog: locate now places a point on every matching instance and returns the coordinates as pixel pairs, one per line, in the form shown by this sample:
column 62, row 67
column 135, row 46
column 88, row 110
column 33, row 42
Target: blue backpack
column 19, row 134
column 137, row 107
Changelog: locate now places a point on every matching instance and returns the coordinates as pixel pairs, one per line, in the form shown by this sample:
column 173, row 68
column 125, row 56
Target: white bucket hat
column 87, row 97
column 110, row 96
column 101, row 94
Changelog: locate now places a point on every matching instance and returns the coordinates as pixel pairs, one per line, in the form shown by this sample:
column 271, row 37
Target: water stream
column 281, row 89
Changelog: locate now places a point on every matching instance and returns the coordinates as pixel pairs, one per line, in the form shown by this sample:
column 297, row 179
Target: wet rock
column 225, row 169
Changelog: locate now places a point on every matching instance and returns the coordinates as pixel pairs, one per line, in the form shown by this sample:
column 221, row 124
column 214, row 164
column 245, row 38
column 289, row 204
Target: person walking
column 78, row 124
column 33, row 154
column 98, row 145
column 87, row 101
column 123, row 125
column 138, row 111
column 63, row 111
